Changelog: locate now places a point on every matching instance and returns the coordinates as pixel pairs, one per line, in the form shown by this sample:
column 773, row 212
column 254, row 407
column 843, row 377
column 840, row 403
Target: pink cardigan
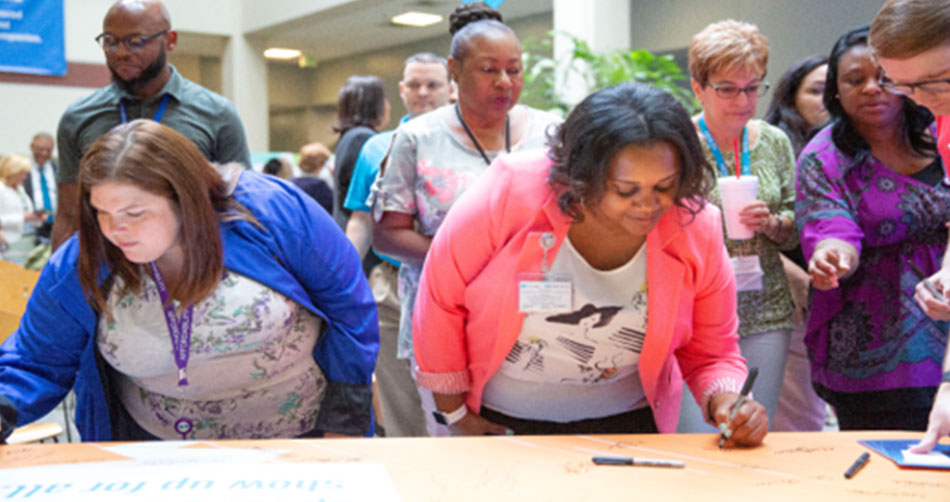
column 466, row 314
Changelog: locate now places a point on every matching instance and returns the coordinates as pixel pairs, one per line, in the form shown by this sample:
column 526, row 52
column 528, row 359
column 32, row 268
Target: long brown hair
column 160, row 161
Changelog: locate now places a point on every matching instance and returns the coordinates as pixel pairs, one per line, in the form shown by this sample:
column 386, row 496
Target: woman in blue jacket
column 198, row 302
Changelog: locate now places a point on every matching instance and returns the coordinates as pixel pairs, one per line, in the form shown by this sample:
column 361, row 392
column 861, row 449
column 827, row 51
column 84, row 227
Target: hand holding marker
column 923, row 278
column 743, row 395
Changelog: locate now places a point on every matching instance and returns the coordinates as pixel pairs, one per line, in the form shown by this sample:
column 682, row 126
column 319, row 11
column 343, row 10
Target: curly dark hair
column 915, row 120
column 612, row 119
column 469, row 13
column 782, row 111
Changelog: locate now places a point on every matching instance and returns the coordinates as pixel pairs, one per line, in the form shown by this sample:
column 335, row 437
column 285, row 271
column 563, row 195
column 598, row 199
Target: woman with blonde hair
column 727, row 65
column 16, row 210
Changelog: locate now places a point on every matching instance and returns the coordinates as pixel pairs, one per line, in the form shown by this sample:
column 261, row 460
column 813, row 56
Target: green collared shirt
column 206, row 118
column 773, row 162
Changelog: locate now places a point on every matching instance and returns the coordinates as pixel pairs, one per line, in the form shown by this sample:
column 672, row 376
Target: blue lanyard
column 720, row 161
column 158, row 113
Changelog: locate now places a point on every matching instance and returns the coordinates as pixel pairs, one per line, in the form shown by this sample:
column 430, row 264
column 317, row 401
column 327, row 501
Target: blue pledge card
column 896, row 451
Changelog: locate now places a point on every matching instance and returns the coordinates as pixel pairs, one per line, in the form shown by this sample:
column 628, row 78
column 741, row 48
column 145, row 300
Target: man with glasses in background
column 911, row 41
column 136, row 34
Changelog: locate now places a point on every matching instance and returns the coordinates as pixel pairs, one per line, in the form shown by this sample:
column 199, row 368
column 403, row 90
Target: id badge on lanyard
column 544, row 293
column 748, row 272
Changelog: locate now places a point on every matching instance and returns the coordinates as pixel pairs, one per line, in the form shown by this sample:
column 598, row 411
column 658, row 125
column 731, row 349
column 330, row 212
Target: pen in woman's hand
column 743, row 395
column 923, row 278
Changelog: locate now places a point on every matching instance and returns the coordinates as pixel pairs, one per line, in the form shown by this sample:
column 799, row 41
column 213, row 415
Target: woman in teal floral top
column 727, row 62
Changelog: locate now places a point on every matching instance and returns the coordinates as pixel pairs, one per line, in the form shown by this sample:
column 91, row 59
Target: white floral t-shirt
column 428, row 170
column 251, row 372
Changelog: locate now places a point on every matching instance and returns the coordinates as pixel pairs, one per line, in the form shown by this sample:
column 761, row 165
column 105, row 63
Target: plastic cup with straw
column 736, row 194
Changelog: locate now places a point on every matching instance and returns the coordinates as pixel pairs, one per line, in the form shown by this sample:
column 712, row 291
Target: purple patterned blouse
column 869, row 334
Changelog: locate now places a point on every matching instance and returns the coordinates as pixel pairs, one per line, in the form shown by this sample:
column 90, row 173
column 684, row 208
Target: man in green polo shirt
column 136, row 34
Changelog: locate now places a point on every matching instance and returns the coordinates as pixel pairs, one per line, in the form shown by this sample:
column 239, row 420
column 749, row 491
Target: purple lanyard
column 179, row 329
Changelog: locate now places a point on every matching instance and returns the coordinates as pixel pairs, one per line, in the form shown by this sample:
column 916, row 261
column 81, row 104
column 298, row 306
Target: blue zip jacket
column 297, row 250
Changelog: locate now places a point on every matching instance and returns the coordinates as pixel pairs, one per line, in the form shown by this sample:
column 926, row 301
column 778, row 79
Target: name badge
column 748, row 272
column 545, row 296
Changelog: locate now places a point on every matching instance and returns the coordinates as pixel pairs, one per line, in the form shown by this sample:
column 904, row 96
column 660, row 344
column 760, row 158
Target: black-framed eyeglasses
column 729, row 91
column 938, row 86
column 132, row 43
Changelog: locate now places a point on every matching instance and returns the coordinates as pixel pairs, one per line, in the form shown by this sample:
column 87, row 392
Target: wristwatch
column 946, row 377
column 451, row 417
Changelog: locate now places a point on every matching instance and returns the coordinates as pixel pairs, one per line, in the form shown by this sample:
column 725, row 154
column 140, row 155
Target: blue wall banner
column 31, row 37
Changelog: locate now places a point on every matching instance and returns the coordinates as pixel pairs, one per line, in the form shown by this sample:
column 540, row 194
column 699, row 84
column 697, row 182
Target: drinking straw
column 735, row 150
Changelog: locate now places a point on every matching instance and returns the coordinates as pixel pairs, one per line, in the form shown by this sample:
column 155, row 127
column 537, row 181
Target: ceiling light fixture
column 417, row 19
column 278, row 53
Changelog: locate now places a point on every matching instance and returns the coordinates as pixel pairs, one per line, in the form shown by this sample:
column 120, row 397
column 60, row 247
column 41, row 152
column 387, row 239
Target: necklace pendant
column 184, row 426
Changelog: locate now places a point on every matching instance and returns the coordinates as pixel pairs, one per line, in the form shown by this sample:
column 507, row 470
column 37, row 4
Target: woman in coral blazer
column 532, row 311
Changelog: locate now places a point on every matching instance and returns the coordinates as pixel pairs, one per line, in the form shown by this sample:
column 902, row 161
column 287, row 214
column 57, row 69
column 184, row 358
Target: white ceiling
column 355, row 27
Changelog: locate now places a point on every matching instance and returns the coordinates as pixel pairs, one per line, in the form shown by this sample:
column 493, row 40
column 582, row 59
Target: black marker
column 857, row 465
column 923, row 278
column 645, row 462
column 743, row 395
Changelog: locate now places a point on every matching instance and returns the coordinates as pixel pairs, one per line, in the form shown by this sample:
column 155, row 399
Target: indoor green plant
column 543, row 74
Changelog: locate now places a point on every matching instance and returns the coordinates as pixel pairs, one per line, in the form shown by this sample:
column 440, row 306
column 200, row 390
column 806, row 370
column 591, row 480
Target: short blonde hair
column 727, row 46
column 313, row 156
column 13, row 164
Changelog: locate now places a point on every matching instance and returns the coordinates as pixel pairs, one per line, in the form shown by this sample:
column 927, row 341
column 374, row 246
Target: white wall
column 83, row 20
column 262, row 13
column 213, row 17
column 29, row 109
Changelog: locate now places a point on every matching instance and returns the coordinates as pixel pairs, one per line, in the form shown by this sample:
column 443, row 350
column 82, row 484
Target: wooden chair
column 15, row 290
column 16, row 287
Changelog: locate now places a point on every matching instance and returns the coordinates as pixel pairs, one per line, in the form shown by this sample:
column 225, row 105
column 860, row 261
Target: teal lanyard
column 158, row 113
column 47, row 200
column 720, row 161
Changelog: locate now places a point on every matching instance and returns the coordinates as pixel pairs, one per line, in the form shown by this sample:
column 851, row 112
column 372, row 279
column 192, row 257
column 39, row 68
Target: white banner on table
column 199, row 482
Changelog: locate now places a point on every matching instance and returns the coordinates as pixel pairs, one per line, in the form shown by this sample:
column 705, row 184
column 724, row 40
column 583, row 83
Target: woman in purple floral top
column 871, row 204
